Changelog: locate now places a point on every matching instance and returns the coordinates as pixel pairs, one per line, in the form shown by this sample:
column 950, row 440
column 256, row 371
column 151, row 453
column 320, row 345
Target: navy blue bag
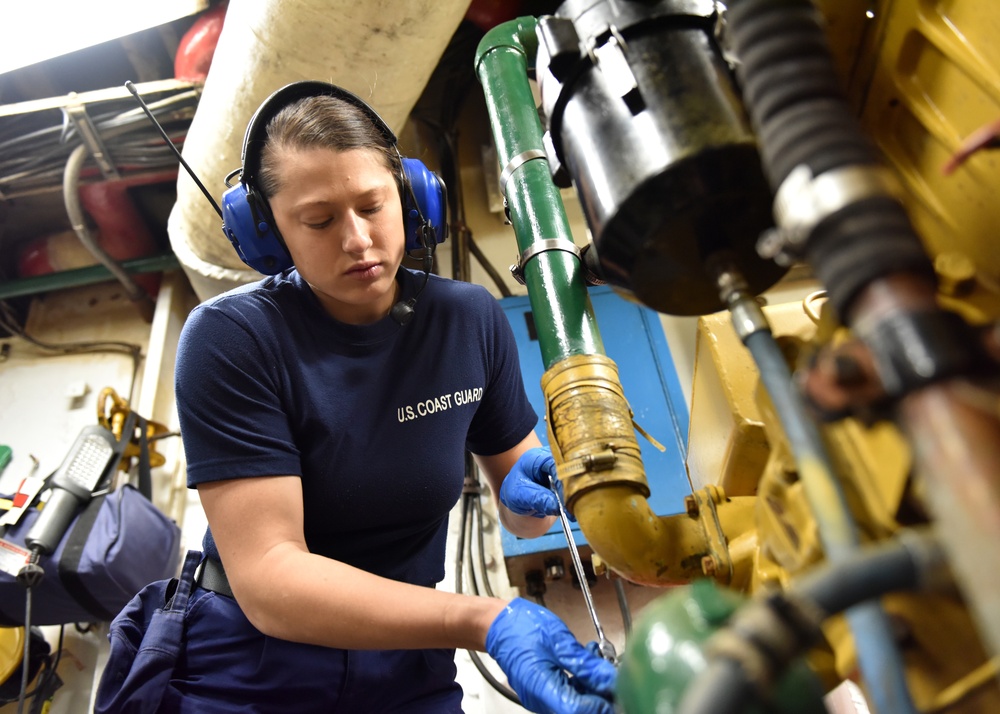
column 118, row 544
column 146, row 640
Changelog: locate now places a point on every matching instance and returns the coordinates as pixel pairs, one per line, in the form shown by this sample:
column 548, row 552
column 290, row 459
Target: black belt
column 212, row 577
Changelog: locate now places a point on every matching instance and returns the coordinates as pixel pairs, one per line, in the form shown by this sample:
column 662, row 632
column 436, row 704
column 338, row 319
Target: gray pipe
column 878, row 657
column 71, row 197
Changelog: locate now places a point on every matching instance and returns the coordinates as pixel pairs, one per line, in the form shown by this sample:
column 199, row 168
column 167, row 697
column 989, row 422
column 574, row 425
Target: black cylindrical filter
column 642, row 114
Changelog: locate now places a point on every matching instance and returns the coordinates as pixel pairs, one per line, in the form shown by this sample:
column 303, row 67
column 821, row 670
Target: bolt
column 902, row 631
column 555, row 569
column 956, row 273
column 716, row 493
column 709, row 565
column 534, row 584
column 691, row 506
column 847, row 371
column 600, row 567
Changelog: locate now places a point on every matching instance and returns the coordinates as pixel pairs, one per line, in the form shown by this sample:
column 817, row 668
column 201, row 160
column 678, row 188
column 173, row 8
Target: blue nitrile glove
column 525, row 490
column 551, row 672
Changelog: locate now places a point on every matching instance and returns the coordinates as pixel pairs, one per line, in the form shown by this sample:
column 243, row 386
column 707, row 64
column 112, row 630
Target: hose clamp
column 515, row 163
column 76, row 110
column 541, row 246
column 914, row 349
column 748, row 317
column 803, row 201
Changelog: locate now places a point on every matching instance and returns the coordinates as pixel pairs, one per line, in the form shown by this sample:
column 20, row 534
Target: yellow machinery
column 850, row 526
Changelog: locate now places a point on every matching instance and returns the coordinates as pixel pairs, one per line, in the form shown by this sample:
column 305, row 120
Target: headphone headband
column 253, row 142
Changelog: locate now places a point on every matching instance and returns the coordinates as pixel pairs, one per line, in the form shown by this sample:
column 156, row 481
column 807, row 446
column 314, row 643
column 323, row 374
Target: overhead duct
column 383, row 51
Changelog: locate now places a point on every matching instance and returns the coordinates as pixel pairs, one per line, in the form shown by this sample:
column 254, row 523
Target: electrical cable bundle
column 35, row 145
column 472, row 517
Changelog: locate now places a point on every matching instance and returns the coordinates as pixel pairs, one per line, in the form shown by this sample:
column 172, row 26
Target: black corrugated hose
column 791, row 89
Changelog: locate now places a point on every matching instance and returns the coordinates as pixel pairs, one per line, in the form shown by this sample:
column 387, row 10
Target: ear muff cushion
column 256, row 242
column 427, row 189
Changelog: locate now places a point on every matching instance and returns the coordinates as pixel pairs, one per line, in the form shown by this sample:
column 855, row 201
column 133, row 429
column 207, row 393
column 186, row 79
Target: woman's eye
column 372, row 209
column 320, row 225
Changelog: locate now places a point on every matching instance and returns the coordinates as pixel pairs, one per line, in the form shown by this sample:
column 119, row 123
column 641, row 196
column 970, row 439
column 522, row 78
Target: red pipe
column 197, row 46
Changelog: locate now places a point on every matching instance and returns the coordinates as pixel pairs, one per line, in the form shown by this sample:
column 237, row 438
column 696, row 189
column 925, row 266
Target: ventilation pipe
column 383, row 51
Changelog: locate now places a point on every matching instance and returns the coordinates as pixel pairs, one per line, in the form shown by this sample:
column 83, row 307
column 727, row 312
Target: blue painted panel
column 633, row 338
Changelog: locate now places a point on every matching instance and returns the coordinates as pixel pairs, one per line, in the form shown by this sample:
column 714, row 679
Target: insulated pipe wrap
column 384, row 51
column 791, row 90
column 590, row 427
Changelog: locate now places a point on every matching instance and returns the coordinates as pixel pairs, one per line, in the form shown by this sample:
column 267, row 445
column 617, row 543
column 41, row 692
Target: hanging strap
column 145, row 477
column 185, row 584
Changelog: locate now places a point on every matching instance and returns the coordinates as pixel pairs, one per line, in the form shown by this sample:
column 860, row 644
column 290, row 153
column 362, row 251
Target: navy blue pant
column 229, row 666
column 200, row 655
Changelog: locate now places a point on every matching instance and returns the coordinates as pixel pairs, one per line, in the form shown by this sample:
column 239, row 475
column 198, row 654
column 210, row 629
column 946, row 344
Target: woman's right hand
column 545, row 664
column 526, row 490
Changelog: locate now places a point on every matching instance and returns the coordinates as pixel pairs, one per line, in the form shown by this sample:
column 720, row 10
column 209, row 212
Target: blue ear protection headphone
column 246, row 217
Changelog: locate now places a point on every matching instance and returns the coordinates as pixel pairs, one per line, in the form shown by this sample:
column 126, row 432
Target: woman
column 327, row 440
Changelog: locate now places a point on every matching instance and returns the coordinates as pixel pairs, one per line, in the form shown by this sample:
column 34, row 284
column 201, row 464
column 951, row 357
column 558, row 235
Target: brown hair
column 322, row 122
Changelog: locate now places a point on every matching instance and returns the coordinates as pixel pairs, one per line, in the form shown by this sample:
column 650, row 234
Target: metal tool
column 606, row 649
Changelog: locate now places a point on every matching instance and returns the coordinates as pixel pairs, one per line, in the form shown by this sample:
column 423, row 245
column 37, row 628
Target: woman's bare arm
column 288, row 592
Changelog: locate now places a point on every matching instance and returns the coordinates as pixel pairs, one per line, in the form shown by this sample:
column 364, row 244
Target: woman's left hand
column 546, row 665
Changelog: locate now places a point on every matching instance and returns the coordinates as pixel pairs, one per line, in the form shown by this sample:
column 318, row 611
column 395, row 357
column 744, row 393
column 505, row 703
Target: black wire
column 59, row 651
column 470, row 507
column 51, row 665
column 166, row 137
column 165, row 435
column 623, row 606
column 51, row 673
column 10, row 323
column 27, row 651
column 460, row 550
column 448, row 156
column 494, row 682
column 482, row 549
column 465, row 535
column 488, row 267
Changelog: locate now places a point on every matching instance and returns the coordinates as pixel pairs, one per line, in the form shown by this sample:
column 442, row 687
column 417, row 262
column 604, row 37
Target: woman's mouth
column 365, row 271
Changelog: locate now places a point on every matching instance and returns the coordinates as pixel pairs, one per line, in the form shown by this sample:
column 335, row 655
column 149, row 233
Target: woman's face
column 340, row 215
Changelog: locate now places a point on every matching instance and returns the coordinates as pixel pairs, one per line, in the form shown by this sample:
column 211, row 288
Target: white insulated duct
column 382, row 50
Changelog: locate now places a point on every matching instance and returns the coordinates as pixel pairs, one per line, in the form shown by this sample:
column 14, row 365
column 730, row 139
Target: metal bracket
column 91, row 138
column 613, row 63
column 541, row 246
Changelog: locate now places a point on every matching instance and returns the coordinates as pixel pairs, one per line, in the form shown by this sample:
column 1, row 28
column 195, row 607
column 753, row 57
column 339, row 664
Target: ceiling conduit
column 383, row 50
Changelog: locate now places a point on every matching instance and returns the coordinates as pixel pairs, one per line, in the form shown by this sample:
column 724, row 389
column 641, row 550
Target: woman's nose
column 356, row 234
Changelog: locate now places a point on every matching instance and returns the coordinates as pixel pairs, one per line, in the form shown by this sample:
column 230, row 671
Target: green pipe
column 84, row 276
column 557, row 291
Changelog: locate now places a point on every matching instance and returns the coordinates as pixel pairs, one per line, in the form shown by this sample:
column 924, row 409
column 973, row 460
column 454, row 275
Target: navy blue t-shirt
column 375, row 419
